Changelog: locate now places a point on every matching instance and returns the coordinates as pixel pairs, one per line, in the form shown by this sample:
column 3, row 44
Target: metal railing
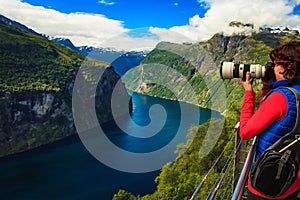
column 239, row 189
column 240, row 185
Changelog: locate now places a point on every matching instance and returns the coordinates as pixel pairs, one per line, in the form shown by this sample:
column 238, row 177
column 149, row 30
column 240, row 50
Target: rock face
column 29, row 120
column 37, row 79
column 200, row 64
column 32, row 119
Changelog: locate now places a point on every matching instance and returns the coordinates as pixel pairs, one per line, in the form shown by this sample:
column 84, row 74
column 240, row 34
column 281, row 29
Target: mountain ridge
column 36, row 83
column 200, row 63
column 27, row 120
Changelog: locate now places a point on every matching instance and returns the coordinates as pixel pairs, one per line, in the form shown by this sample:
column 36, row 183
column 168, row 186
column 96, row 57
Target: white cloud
column 125, row 42
column 203, row 4
column 106, row 2
column 256, row 12
column 99, row 31
column 81, row 28
column 172, row 35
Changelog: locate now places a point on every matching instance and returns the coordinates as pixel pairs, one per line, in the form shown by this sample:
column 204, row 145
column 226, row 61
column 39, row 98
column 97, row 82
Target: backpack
column 277, row 167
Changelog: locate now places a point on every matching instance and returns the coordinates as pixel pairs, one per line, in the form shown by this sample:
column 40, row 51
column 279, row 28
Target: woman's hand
column 247, row 84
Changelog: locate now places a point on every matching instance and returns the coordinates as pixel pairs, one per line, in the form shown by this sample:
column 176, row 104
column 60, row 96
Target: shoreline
column 74, row 138
column 166, row 98
column 70, row 139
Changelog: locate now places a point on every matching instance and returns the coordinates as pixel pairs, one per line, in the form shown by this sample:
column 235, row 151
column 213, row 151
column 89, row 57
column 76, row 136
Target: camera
column 231, row 70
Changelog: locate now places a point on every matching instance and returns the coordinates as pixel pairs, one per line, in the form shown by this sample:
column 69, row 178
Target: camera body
column 231, row 70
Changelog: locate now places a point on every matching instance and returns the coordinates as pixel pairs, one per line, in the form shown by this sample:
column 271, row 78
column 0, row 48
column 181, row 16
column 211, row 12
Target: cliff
column 198, row 65
column 36, row 84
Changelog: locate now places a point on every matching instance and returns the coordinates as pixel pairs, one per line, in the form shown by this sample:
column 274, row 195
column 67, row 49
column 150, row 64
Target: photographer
column 277, row 112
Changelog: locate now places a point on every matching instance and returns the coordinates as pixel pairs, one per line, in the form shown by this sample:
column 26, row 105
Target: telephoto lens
column 231, row 70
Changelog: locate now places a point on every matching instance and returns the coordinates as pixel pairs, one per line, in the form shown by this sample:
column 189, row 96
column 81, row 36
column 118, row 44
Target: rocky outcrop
column 37, row 79
column 200, row 64
column 31, row 119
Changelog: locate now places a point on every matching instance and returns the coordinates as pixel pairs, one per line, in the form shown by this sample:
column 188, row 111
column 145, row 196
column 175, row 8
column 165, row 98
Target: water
column 66, row 170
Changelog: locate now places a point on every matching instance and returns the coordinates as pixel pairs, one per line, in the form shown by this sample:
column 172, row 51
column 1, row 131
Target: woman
column 276, row 114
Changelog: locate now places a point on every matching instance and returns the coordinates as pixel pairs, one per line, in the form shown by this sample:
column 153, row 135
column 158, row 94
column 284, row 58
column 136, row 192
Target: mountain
column 199, row 64
column 37, row 77
column 107, row 54
column 127, row 61
column 122, row 61
column 18, row 25
column 63, row 41
column 37, row 80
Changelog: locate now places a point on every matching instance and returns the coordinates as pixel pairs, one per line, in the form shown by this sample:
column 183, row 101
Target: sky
column 140, row 25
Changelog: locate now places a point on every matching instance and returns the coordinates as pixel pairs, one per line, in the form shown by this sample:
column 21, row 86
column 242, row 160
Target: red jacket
column 252, row 124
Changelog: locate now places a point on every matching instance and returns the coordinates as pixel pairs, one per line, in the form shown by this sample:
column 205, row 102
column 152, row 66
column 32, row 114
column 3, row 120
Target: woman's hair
column 288, row 56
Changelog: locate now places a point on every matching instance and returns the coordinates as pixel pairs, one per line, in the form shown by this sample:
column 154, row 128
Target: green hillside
column 36, row 83
column 32, row 63
column 36, row 78
column 200, row 63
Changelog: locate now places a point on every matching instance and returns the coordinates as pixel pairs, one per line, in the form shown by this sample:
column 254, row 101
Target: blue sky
column 137, row 24
column 133, row 13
